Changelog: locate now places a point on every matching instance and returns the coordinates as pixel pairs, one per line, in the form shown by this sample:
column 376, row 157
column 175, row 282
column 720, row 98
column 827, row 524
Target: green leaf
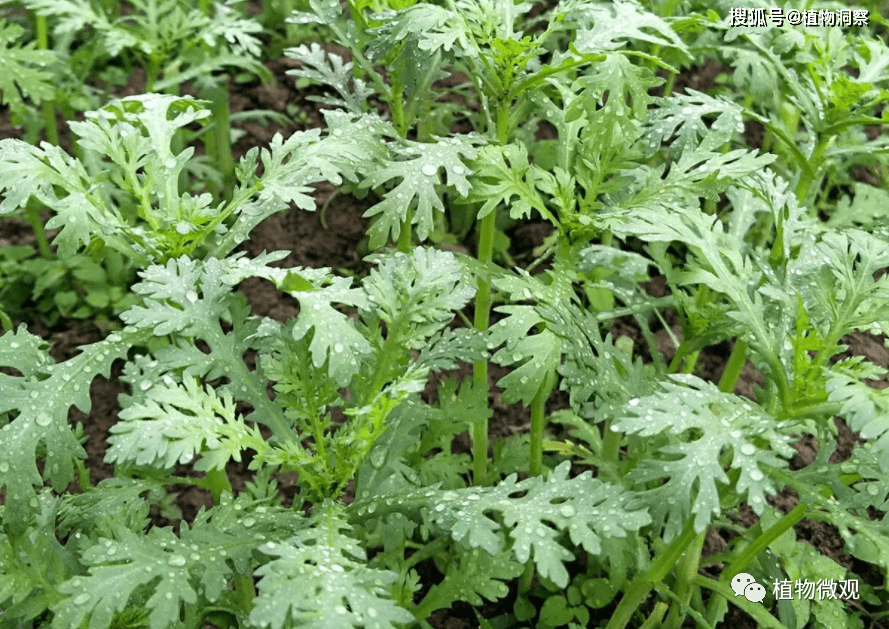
column 416, row 294
column 503, row 175
column 42, row 397
column 592, row 513
column 417, row 165
column 328, row 69
column 683, row 115
column 472, row 576
column 608, row 27
column 436, row 28
column 865, row 409
column 709, row 423
column 319, row 579
column 23, row 76
column 539, row 354
column 171, row 424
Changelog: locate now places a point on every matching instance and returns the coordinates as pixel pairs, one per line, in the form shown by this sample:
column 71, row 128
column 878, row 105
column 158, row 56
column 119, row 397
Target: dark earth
column 341, row 245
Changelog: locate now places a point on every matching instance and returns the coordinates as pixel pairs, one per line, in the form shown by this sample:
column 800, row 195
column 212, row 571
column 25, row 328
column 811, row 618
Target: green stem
column 644, row 582
column 246, row 591
column 538, row 425
column 722, row 591
column 221, row 131
column 480, row 367
column 610, row 444
column 733, row 367
column 687, row 570
column 404, row 236
column 654, row 619
column 48, row 106
column 668, row 87
column 217, row 482
column 487, row 231
column 717, row 606
column 39, row 232
column 688, row 364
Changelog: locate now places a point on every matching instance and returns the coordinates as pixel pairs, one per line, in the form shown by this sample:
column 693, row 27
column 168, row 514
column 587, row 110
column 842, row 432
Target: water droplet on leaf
column 176, row 560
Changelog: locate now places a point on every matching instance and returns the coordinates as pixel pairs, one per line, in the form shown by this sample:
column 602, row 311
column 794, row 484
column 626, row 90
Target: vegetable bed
column 443, row 314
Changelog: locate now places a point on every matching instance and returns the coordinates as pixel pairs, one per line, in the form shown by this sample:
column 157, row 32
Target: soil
column 336, row 239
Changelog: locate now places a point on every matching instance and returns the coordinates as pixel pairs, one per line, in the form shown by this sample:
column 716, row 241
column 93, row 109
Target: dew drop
column 756, row 476
column 634, row 402
column 372, row 612
column 81, row 599
column 338, row 348
column 248, row 522
column 170, row 163
column 176, row 560
column 43, row 419
column 429, row 170
column 191, row 296
column 567, row 511
column 748, row 449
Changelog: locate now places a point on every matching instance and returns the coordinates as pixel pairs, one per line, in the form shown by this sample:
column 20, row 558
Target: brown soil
column 340, row 245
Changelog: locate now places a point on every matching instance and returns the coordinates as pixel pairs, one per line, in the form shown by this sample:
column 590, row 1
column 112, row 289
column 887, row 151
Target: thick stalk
column 480, row 367
column 717, row 606
column 538, row 425
column 733, row 367
column 487, row 230
column 48, row 106
column 217, row 482
column 221, row 132
column 644, row 582
column 404, row 236
column 39, row 233
column 687, row 570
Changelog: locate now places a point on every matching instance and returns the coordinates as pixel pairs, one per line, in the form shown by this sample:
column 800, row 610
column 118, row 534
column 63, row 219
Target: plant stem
column 723, row 592
column 654, row 619
column 217, row 482
column 39, row 232
column 480, row 367
column 221, row 132
column 404, row 236
column 717, row 606
column 487, row 230
column 48, row 106
column 733, row 367
column 644, row 582
column 538, row 425
column 687, row 571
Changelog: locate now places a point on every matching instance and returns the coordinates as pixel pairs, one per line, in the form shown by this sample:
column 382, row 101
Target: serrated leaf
column 416, row 294
column 42, row 401
column 329, row 69
column 539, row 354
column 470, row 577
column 683, row 115
column 436, row 28
column 417, row 165
column 591, row 512
column 159, row 566
column 319, row 579
column 614, row 24
column 171, row 424
column 503, row 175
column 720, row 421
column 865, row 409
column 23, row 76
